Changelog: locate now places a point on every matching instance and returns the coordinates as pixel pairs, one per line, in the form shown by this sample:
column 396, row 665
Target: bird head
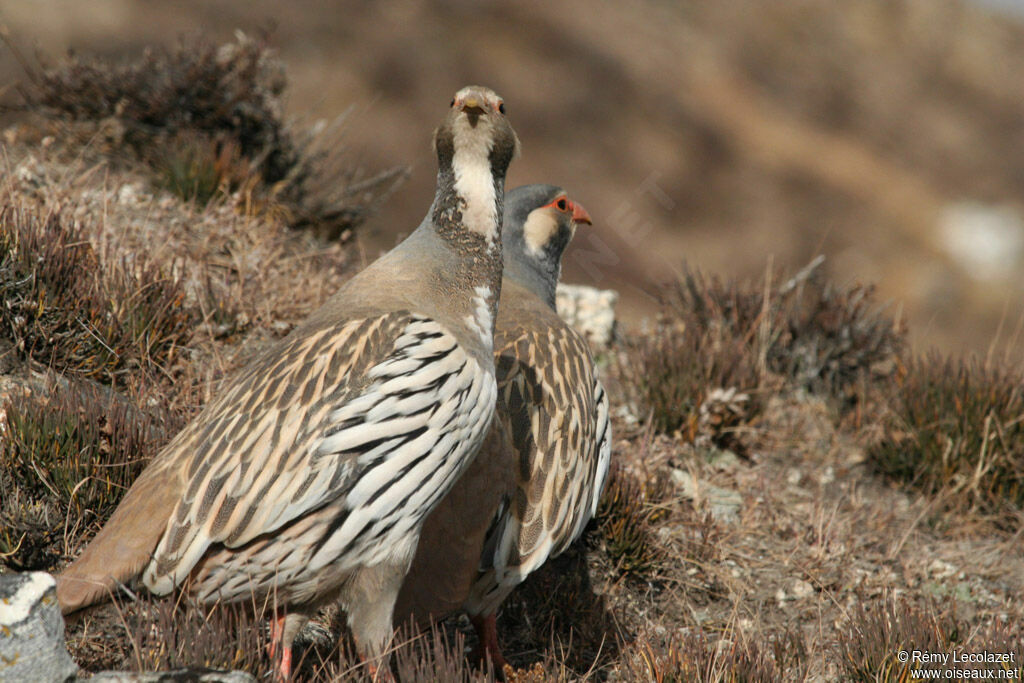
column 476, row 123
column 540, row 221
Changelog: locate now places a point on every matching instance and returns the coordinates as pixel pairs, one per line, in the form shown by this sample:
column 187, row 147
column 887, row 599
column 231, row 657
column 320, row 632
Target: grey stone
column 32, row 630
column 723, row 503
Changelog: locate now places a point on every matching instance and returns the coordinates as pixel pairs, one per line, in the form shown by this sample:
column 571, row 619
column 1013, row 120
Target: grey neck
column 539, row 276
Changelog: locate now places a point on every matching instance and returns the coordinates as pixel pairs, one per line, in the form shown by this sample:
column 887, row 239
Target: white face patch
column 537, row 231
column 473, row 180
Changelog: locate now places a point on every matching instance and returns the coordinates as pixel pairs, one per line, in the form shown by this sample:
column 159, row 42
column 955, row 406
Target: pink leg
column 382, row 675
column 284, row 669
column 378, row 674
column 486, row 627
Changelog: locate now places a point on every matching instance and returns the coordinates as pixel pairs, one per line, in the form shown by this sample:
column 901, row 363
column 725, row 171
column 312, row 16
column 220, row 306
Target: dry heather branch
column 745, row 339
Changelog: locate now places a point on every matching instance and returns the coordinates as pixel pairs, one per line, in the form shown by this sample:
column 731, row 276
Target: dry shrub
column 957, row 426
column 717, row 337
column 828, row 338
column 695, row 658
column 877, row 634
column 702, row 340
column 65, row 462
column 226, row 103
column 233, row 89
column 65, row 307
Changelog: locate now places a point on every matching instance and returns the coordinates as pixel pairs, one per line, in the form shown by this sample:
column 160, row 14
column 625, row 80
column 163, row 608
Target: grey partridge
column 308, row 478
column 536, row 481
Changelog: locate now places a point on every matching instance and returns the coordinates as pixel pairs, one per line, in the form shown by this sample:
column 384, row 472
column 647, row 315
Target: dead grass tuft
column 67, row 308
column 197, row 168
column 626, row 517
column 694, row 657
column 876, row 636
column 167, row 636
column 65, row 461
column 558, row 621
column 957, row 427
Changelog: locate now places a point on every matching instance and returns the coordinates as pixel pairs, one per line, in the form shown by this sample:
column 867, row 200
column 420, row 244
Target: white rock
column 30, row 590
column 130, row 193
column 32, row 630
column 987, row 241
column 797, row 590
column 590, row 310
column 801, row 589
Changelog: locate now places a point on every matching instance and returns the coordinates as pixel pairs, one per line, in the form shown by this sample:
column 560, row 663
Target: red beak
column 580, row 215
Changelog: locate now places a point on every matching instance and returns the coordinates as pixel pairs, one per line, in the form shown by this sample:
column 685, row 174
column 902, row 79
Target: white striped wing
column 351, row 435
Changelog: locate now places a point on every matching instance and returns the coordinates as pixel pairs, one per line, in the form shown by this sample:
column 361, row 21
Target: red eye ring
column 562, row 204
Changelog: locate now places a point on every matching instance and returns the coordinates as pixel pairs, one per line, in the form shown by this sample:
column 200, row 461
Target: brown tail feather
column 124, row 545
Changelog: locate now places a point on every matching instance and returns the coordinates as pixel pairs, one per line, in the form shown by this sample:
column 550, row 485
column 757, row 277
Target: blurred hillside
column 887, row 135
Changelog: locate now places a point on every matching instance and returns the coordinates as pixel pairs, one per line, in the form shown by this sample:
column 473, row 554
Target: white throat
column 473, row 180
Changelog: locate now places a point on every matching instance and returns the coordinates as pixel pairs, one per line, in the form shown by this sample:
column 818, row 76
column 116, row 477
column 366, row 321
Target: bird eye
column 452, row 103
column 501, row 107
column 562, row 204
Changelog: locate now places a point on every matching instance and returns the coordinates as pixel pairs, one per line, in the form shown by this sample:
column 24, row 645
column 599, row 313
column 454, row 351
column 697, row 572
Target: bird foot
column 479, row 657
column 379, row 674
column 283, row 671
column 487, row 632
